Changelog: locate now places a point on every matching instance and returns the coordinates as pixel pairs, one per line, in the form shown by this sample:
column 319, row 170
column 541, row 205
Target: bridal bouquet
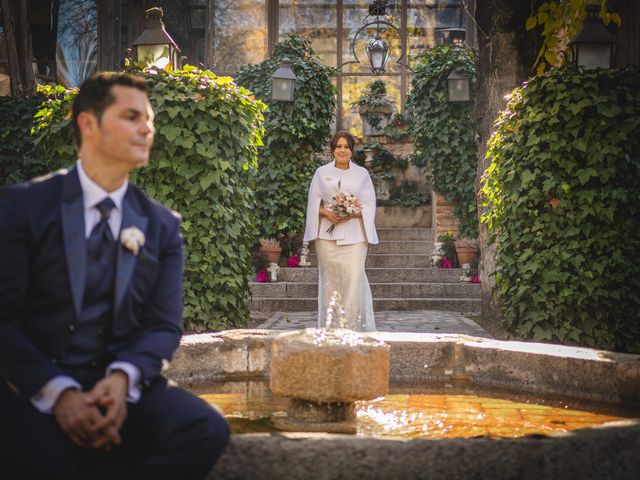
column 344, row 205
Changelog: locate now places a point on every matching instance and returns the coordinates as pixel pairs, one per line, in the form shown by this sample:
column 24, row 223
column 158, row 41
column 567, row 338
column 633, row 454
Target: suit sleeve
column 161, row 316
column 22, row 365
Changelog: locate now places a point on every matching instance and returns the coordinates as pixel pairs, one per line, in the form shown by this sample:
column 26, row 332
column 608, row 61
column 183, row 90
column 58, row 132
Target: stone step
column 266, row 305
column 378, row 290
column 426, row 275
column 419, row 247
column 388, row 260
column 427, row 234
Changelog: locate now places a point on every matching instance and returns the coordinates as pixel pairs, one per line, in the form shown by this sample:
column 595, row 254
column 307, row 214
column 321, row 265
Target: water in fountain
column 323, row 371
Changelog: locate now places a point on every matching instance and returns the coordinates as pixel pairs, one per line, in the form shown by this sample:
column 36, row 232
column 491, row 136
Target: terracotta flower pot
column 272, row 253
column 466, row 255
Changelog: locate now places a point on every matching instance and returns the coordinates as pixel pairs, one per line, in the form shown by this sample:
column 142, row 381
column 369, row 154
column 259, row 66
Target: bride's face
column 342, row 152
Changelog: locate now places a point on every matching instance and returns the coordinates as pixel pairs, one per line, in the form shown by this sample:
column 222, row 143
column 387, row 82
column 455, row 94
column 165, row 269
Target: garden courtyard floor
column 419, row 321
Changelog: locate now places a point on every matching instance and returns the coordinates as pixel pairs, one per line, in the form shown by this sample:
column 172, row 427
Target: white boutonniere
column 132, row 238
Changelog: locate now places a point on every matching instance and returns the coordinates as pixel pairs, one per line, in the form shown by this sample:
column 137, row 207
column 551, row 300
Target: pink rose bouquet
column 344, row 204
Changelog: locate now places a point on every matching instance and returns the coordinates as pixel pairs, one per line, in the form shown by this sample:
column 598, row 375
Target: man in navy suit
column 91, row 309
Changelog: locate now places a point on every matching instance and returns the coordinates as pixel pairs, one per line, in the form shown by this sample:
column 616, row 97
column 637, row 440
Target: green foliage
column 562, row 192
column 203, row 165
column 561, row 20
column 294, row 131
column 373, row 103
column 444, row 131
column 407, row 194
column 399, row 127
column 16, row 121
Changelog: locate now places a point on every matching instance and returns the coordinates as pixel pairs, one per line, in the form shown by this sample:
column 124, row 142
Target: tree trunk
column 19, row 50
column 506, row 55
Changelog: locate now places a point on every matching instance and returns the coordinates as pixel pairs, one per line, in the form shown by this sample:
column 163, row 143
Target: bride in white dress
column 342, row 252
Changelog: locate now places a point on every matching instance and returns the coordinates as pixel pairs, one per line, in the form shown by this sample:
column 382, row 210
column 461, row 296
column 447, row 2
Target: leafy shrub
column 208, row 132
column 563, row 190
column 294, row 131
column 17, row 120
column 407, row 194
column 444, row 131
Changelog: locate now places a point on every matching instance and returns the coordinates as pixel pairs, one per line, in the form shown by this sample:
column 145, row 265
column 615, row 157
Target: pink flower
column 292, row 262
column 445, row 263
column 262, row 276
column 475, row 279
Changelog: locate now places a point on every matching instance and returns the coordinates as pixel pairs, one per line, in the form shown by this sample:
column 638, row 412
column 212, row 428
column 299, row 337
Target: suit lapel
column 131, row 217
column 73, row 234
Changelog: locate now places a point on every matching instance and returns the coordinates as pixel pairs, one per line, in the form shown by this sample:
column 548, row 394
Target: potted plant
column 260, row 265
column 399, row 127
column 271, row 249
column 466, row 250
column 374, row 108
column 446, row 249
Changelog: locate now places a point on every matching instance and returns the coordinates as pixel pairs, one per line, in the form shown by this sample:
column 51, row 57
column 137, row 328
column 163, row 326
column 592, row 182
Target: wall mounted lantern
column 459, row 85
column 594, row 45
column 283, row 82
column 154, row 47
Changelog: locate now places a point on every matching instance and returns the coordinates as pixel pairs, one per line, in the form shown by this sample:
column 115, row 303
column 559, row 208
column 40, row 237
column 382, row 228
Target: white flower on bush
column 132, row 238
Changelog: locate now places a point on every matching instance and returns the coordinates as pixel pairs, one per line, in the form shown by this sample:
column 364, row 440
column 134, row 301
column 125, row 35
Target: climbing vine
column 294, row 131
column 562, row 196
column 444, row 131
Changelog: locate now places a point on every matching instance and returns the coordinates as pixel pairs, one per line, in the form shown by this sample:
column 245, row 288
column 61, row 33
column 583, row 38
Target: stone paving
column 423, row 321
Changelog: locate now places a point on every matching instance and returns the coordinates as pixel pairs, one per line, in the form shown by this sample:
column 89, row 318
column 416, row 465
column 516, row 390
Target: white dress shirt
column 92, row 194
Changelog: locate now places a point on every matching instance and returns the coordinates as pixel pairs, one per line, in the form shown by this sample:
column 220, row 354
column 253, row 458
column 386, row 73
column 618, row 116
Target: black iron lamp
column 154, row 47
column 593, row 46
column 283, row 82
column 459, row 85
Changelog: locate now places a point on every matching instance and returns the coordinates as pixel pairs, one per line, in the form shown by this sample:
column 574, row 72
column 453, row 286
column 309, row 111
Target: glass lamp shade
column 458, row 83
column 283, row 82
column 378, row 54
column 592, row 55
column 158, row 56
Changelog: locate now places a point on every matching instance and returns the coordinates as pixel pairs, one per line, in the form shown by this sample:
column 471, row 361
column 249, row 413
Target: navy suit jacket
column 42, row 270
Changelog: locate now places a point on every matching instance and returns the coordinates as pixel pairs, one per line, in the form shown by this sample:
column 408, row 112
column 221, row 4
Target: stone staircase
column 398, row 273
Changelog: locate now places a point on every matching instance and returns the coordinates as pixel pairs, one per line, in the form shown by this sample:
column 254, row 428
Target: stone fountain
column 323, row 371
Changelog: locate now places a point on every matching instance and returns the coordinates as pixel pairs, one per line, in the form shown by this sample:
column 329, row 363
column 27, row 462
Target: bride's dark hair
column 347, row 136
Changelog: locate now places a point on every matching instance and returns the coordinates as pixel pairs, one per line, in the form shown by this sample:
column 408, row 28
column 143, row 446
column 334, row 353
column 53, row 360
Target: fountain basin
column 609, row 451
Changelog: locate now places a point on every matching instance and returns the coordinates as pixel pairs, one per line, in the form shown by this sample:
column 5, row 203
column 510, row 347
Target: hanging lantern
column 378, row 54
column 459, row 86
column 154, row 47
column 593, row 46
column 283, row 82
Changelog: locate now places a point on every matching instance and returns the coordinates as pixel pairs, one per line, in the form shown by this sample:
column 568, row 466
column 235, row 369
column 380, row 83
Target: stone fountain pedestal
column 322, row 373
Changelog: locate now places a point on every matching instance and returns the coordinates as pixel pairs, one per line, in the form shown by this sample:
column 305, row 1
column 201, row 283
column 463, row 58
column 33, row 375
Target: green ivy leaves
column 562, row 192
column 444, row 131
column 294, row 131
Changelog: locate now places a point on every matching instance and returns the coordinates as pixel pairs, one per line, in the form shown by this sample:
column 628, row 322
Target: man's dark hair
column 347, row 136
column 95, row 95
